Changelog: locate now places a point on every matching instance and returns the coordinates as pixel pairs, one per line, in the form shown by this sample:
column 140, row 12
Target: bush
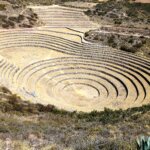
column 5, row 26
column 13, row 19
column 2, row 7
column 11, row 23
column 117, row 21
column 96, row 37
column 86, row 34
column 111, row 39
column 3, row 17
column 5, row 90
column 20, row 18
column 3, row 129
column 127, row 48
column 14, row 99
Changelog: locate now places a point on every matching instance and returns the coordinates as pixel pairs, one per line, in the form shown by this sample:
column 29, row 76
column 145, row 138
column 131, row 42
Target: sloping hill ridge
column 26, row 126
column 53, row 64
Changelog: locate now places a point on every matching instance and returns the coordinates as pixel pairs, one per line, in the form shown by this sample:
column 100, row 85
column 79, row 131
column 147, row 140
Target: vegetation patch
column 121, row 12
column 2, row 7
column 27, row 125
column 124, row 41
column 17, row 16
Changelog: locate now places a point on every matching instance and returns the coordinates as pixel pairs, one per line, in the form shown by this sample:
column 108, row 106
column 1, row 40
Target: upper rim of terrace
column 55, row 16
column 65, row 33
column 54, row 6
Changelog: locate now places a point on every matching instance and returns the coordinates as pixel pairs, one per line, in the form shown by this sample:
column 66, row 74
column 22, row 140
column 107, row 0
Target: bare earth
column 52, row 64
column 143, row 1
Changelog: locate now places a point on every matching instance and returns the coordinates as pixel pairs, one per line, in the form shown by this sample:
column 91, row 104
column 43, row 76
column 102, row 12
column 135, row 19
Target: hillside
column 125, row 41
column 17, row 16
column 124, row 25
column 123, row 13
column 25, row 126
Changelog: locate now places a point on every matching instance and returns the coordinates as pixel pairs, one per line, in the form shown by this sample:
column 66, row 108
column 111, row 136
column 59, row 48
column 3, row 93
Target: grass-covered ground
column 24, row 126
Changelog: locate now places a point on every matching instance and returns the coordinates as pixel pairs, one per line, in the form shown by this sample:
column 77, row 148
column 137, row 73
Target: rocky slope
column 125, row 25
column 16, row 16
column 122, row 12
column 126, row 41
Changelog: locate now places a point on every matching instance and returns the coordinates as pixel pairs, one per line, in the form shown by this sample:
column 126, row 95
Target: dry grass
column 45, row 128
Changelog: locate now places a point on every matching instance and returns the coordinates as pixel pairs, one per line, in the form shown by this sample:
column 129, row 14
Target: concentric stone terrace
column 53, row 64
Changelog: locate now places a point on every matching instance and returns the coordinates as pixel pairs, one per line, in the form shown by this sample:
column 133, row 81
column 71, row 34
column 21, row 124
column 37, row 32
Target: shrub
column 4, row 129
column 88, row 12
column 117, row 21
column 148, row 20
column 86, row 34
column 2, row 7
column 131, row 40
column 138, row 44
column 96, row 37
column 3, row 17
column 13, row 99
column 5, row 90
column 11, row 23
column 20, row 18
column 42, row 108
column 5, row 25
column 127, row 48
column 13, row 19
column 111, row 39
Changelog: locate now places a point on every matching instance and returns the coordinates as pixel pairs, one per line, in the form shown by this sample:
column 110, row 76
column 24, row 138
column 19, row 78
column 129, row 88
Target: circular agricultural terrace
column 52, row 64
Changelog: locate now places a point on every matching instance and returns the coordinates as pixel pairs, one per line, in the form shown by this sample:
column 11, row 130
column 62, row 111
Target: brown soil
column 143, row 1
